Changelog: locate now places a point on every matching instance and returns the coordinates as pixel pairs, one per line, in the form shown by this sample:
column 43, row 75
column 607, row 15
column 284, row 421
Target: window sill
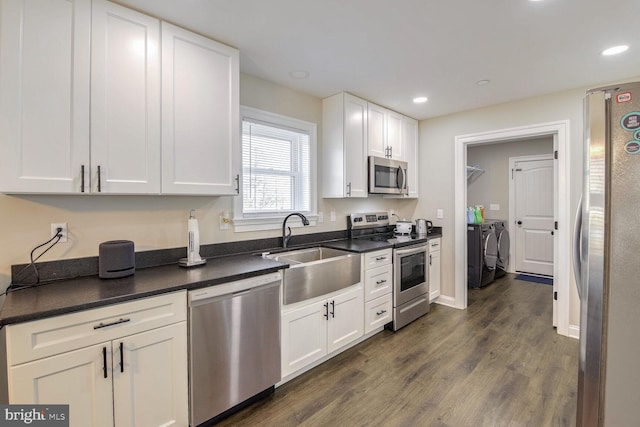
column 241, row 225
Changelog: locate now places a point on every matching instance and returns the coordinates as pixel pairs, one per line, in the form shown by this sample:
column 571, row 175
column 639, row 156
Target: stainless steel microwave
column 387, row 176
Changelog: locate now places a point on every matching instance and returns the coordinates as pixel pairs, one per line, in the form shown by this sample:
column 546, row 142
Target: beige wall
column 492, row 187
column 158, row 222
column 437, row 137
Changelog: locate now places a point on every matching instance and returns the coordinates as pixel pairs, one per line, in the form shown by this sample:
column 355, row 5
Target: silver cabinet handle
column 82, row 178
column 349, row 189
column 378, row 313
column 238, row 184
column 380, row 258
column 379, row 282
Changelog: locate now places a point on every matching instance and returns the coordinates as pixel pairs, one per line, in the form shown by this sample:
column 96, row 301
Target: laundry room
column 513, row 184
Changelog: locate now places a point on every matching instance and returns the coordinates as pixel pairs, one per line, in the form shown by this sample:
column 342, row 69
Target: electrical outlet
column 333, row 216
column 494, row 207
column 440, row 213
column 54, row 231
column 320, row 217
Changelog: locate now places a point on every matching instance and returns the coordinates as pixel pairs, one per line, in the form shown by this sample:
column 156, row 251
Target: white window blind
column 275, row 168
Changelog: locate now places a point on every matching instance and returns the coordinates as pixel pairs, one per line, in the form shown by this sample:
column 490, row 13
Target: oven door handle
column 412, row 250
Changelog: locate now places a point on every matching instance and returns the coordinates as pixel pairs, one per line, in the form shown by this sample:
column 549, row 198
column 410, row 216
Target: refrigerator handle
column 577, row 248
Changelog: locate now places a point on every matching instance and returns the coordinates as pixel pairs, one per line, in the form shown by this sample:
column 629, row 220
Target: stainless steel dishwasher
column 234, row 344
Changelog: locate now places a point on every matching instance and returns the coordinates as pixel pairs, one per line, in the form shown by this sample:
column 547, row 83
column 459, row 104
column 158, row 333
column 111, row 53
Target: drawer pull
column 381, row 258
column 117, row 322
column 104, row 361
column 380, row 282
column 381, row 312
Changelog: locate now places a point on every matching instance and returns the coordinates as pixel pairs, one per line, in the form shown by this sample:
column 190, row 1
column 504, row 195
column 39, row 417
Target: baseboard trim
column 574, row 331
column 445, row 300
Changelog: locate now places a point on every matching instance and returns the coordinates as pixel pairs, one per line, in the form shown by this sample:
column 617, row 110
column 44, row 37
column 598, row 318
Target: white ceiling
column 388, row 51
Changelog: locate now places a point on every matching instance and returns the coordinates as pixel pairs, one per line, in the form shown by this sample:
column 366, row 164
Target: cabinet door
column 355, row 146
column 44, row 102
column 125, row 100
column 410, row 152
column 75, row 378
column 434, row 275
column 378, row 281
column 304, row 336
column 394, row 135
column 150, row 378
column 377, row 128
column 346, row 318
column 200, row 114
column 377, row 313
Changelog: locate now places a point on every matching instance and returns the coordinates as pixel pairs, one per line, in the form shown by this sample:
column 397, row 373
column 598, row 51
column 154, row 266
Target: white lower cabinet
column 125, row 365
column 378, row 289
column 377, row 313
column 311, row 331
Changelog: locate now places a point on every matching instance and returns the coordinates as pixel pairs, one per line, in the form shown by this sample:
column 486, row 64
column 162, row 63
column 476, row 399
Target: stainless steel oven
column 411, row 284
column 387, row 176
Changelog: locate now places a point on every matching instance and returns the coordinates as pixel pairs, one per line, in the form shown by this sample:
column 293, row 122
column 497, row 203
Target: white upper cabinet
column 200, row 114
column 385, row 133
column 125, row 101
column 344, row 130
column 410, row 150
column 44, row 95
column 80, row 103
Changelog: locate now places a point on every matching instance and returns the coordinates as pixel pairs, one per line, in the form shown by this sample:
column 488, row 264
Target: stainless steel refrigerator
column 607, row 259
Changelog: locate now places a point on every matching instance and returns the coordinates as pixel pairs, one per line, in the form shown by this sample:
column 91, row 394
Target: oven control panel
column 368, row 220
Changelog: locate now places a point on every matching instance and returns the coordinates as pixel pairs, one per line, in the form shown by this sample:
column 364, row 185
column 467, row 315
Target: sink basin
column 308, row 255
column 316, row 271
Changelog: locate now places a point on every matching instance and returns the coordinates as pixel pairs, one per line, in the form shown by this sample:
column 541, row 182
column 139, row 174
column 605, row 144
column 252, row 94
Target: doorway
column 562, row 243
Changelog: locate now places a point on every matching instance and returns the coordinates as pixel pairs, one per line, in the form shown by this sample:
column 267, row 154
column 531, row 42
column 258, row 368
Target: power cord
column 17, row 285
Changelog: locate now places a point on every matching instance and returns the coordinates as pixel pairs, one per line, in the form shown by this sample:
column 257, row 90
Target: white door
column 534, row 216
column 200, row 114
column 377, row 131
column 346, row 318
column 355, row 146
column 150, row 378
column 125, row 101
column 304, row 336
column 394, row 135
column 44, row 102
column 76, row 378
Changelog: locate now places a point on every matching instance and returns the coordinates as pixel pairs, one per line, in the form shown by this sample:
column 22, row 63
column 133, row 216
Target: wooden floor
column 498, row 363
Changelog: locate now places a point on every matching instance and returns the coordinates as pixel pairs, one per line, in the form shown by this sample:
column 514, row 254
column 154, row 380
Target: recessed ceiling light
column 420, row 99
column 615, row 50
column 483, row 82
column 299, row 74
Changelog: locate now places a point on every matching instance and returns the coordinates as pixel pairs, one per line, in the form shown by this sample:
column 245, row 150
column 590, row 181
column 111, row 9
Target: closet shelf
column 473, row 173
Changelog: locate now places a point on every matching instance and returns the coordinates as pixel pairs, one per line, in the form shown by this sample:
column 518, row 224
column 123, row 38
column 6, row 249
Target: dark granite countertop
column 363, row 245
column 87, row 292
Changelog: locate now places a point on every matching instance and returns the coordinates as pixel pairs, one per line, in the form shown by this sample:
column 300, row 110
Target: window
column 278, row 170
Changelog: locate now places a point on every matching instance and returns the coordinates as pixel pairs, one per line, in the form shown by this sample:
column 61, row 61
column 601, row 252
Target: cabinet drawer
column 377, row 258
column 434, row 245
column 377, row 313
column 41, row 338
column 378, row 281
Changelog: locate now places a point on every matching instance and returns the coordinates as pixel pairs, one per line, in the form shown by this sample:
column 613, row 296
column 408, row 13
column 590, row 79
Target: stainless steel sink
column 316, row 271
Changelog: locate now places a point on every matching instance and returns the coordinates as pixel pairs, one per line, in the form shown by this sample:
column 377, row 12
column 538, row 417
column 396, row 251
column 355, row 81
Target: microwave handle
column 402, row 186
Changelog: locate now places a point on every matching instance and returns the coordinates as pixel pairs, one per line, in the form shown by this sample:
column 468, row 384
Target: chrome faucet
column 287, row 237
